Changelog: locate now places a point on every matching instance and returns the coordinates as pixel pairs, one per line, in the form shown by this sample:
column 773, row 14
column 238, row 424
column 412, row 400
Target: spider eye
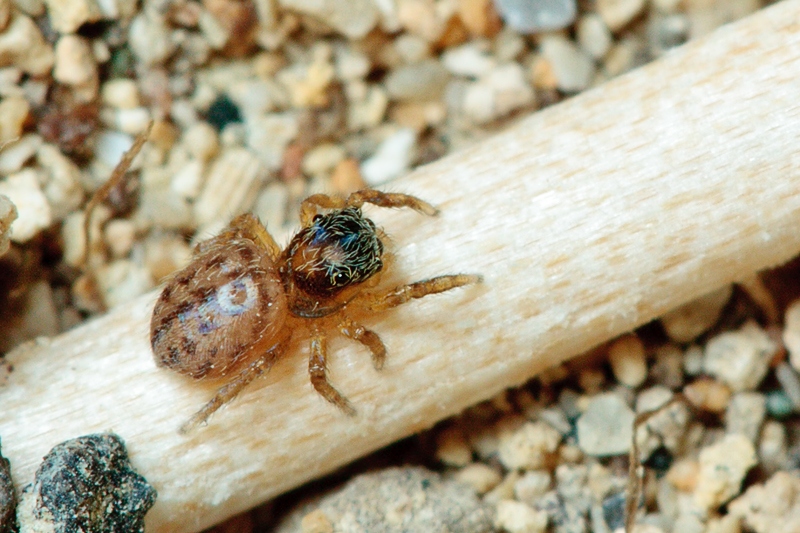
column 339, row 278
column 316, row 218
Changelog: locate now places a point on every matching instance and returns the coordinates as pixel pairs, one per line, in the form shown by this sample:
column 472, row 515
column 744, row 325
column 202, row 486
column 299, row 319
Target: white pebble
column 149, row 38
column 62, row 186
column 15, row 154
column 24, row 46
column 533, row 16
column 627, row 358
column 230, row 187
column 745, row 414
column 201, row 141
column 516, row 517
column 769, row 507
column 354, row 18
column 618, row 13
column 74, row 61
column 722, row 468
column 269, row 135
column 132, row 121
column 110, row 146
column 13, row 112
column 498, row 94
column 480, row 476
column 593, row 35
column 121, row 93
column 322, row 159
column 119, row 234
column 469, row 60
column 121, row 281
column 8, row 214
column 391, row 159
column 572, row 68
column 66, row 16
column 606, row 427
column 532, row 486
column 271, row 205
column 32, row 206
column 418, row 82
column 528, row 446
column 351, row 64
column 366, row 105
column 188, row 180
column 791, row 333
column 740, row 358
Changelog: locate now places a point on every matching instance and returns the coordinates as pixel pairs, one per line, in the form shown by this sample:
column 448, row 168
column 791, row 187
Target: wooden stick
column 586, row 220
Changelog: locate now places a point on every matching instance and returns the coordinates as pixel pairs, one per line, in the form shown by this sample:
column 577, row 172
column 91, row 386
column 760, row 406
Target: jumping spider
column 235, row 307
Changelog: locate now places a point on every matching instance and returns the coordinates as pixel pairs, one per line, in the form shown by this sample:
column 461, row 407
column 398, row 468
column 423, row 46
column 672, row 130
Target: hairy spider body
column 235, row 307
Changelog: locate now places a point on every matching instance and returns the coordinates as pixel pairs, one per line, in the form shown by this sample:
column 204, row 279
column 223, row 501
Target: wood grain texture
column 586, row 219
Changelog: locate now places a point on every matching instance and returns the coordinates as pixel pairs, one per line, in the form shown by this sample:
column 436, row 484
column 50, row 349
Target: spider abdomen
column 228, row 303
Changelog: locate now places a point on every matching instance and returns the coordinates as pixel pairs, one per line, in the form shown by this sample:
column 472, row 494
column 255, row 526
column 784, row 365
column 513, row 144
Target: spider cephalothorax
column 336, row 251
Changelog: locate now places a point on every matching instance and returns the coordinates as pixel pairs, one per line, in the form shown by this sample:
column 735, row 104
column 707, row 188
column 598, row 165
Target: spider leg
column 318, row 372
column 228, row 392
column 386, row 299
column 243, row 226
column 367, row 337
column 389, row 199
column 365, row 196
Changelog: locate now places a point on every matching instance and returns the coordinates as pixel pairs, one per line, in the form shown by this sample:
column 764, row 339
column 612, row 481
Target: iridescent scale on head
column 337, row 250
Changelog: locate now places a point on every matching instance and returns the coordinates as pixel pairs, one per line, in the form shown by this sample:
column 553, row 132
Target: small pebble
column 722, row 468
column 353, row 19
column 16, row 153
column 346, row 177
column 8, row 499
column 269, row 135
column 745, row 414
column 790, row 382
column 165, row 254
column 740, row 358
column 497, row 94
column 149, row 38
column 693, row 360
column 75, row 64
column 683, row 474
column 690, row 320
column 479, row 476
column 770, row 507
column 119, row 234
column 772, row 450
column 606, row 428
column 534, row 16
column 708, row 395
column 421, row 81
column 230, row 187
column 410, row 49
column 420, row 18
column 322, row 159
column 201, row 141
column 66, row 16
column 13, row 112
column 33, row 209
column 121, row 93
column 532, row 485
column 627, row 358
column 86, row 484
column 8, row 214
column 316, row 522
column 665, row 428
column 516, row 517
column 23, row 45
column 593, row 35
column 391, row 159
column 573, row 69
column 779, row 405
column 398, row 499
column 791, row 333
column 121, row 281
column 62, row 184
column 350, row 63
column 307, row 84
column 618, row 13
column 452, row 448
column 527, row 447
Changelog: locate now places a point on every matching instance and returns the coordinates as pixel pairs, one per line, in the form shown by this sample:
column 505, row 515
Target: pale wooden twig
column 586, row 220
